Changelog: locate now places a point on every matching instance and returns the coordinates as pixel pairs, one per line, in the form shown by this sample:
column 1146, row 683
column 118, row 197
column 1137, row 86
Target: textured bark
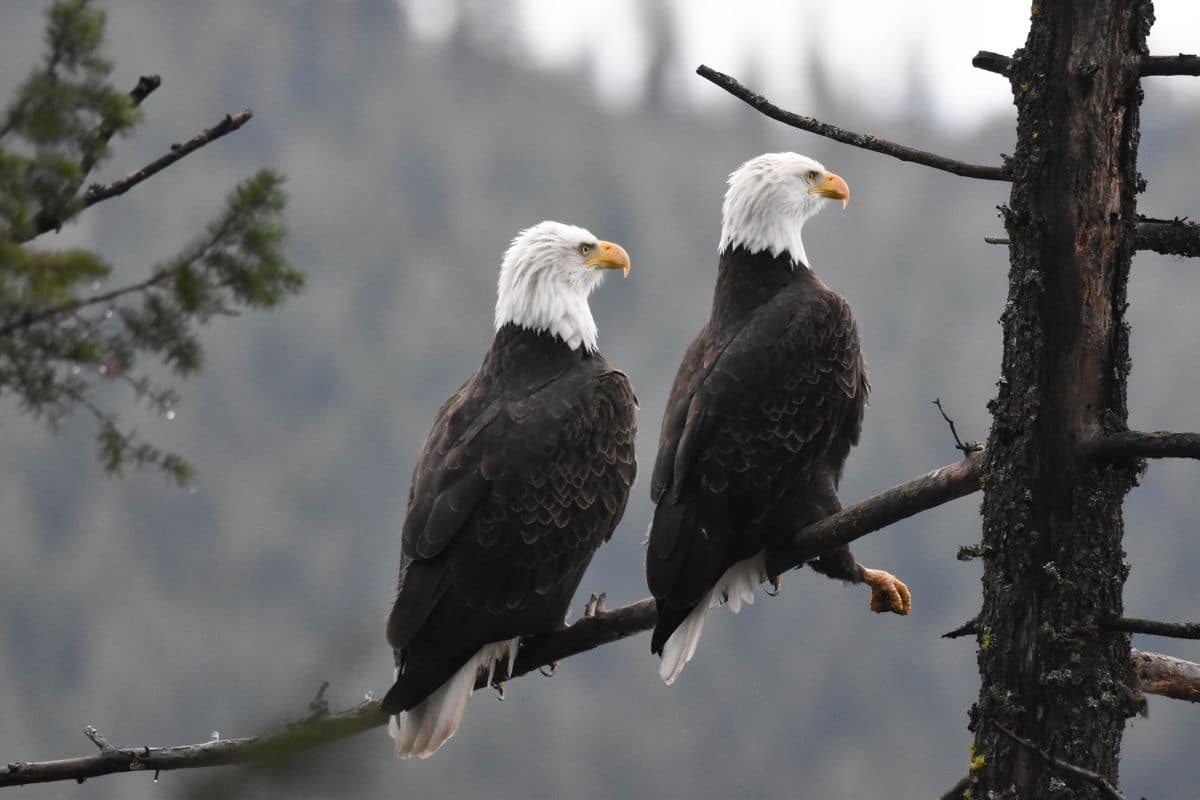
column 1052, row 529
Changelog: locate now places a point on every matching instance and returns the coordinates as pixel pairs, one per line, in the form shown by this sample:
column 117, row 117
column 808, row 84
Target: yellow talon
column 888, row 593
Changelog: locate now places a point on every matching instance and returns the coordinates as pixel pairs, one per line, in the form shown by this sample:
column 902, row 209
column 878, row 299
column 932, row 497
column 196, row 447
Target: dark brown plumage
column 525, row 473
column 765, row 407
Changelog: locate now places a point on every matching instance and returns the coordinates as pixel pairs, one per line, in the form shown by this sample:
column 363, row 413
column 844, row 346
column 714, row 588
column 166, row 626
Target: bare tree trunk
column 1052, row 519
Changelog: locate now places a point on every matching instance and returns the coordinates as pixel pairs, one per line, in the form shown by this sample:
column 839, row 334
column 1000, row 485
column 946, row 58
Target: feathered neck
column 766, row 207
column 533, row 294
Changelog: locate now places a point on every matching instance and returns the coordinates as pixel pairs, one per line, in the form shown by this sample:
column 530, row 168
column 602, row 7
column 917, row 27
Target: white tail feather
column 735, row 586
column 430, row 723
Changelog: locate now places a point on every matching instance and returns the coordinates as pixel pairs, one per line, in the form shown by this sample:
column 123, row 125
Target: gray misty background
column 162, row 616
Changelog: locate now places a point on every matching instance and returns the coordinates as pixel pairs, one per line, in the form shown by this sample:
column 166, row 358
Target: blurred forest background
column 416, row 142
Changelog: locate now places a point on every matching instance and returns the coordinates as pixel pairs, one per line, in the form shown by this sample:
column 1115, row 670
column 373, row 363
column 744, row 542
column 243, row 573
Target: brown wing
column 752, row 423
column 505, row 516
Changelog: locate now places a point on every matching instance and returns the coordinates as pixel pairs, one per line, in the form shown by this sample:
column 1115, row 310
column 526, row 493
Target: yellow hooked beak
column 833, row 186
column 609, row 255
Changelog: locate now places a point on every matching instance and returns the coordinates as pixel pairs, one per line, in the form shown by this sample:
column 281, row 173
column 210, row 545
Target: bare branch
column 1152, row 627
column 1137, row 444
column 1172, row 237
column 145, row 87
column 1181, row 64
column 966, row 448
column 900, row 502
column 1093, row 778
column 290, row 741
column 992, row 62
column 229, row 124
column 929, row 490
column 97, row 193
column 1167, row 676
column 1162, row 675
column 865, row 142
column 968, row 628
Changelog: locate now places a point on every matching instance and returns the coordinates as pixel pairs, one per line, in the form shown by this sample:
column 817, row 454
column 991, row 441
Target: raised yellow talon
column 888, row 593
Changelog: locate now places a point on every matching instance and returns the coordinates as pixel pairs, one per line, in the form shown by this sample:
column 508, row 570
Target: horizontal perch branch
column 1137, row 444
column 900, row 502
column 1172, row 237
column 1181, row 64
column 863, row 141
column 929, row 490
column 1152, row 627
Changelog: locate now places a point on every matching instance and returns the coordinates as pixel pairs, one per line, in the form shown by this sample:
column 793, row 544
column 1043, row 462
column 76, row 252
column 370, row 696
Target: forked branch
column 863, row 141
column 97, row 193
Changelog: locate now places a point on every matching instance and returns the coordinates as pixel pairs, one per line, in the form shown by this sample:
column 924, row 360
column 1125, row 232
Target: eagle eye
column 812, row 175
column 586, row 248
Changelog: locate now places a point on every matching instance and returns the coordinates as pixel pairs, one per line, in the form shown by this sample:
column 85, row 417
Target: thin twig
column 98, row 739
column 1152, row 627
column 865, row 142
column 997, row 240
column 30, row 318
column 1094, row 778
column 1138, row 444
column 145, row 87
column 933, row 488
column 198, row 253
column 229, row 124
column 966, row 448
column 100, row 192
column 968, row 628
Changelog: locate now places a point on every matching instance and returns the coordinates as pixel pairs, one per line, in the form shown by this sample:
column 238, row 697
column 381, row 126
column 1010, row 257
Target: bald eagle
column 525, row 472
column 765, row 407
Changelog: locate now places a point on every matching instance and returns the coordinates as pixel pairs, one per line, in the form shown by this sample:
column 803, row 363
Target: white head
column 547, row 275
column 770, row 197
